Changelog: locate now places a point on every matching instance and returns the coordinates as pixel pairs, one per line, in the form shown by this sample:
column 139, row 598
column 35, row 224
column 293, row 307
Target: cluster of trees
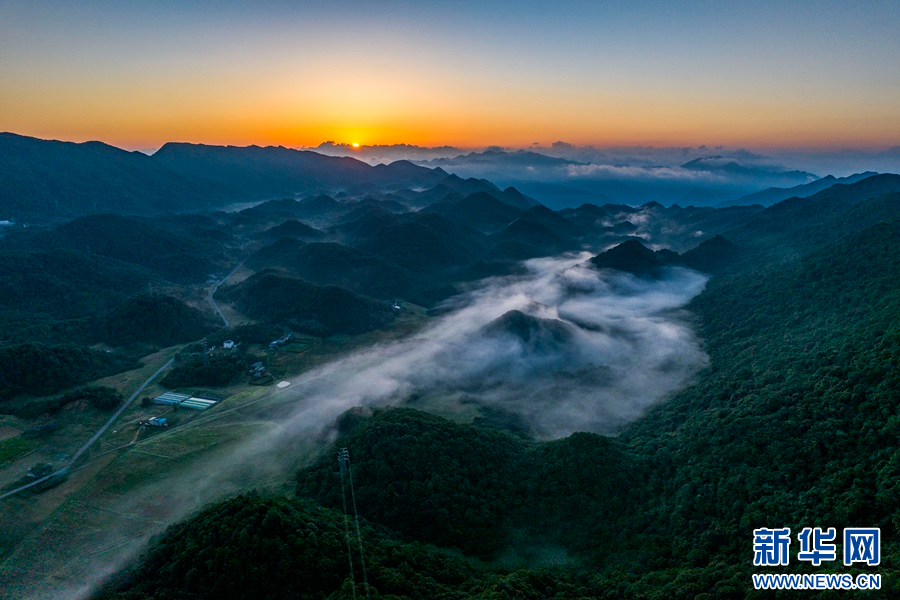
column 481, row 490
column 37, row 369
column 308, row 308
column 438, row 482
column 362, row 272
column 273, row 547
column 99, row 397
column 129, row 240
column 151, row 318
column 193, row 368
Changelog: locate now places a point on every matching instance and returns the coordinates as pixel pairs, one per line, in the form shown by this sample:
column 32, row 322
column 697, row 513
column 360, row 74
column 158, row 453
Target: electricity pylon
column 344, row 462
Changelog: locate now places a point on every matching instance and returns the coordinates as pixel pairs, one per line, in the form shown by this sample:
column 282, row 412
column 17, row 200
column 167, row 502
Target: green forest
column 37, row 369
column 794, row 423
column 305, row 307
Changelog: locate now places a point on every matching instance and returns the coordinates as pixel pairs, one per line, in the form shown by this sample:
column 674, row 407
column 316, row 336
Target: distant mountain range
column 562, row 182
column 775, row 195
column 253, row 172
column 719, row 164
column 524, row 158
column 44, row 179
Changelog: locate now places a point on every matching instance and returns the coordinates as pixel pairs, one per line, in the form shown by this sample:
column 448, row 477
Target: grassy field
column 115, row 501
column 14, row 448
column 299, row 346
column 450, row 405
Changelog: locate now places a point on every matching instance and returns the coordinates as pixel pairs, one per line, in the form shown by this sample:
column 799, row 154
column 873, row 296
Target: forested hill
column 175, row 257
column 45, row 178
column 302, row 306
column 775, row 195
column 797, row 226
column 795, row 423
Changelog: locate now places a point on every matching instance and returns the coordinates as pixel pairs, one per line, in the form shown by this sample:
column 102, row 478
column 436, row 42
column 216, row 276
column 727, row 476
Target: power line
column 362, row 556
column 344, row 461
column 343, row 456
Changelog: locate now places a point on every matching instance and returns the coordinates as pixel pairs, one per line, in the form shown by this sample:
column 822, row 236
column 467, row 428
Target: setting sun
column 355, row 144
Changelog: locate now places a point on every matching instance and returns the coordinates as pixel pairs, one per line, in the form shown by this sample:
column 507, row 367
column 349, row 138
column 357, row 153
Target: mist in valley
column 566, row 347
column 563, row 348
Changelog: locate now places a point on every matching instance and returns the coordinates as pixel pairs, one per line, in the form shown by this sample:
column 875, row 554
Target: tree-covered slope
column 633, row 257
column 797, row 226
column 477, row 489
column 175, row 257
column 274, row 548
column 425, row 243
column 796, row 422
column 150, row 318
column 50, row 179
column 436, row 481
column 37, row 369
column 41, row 290
column 480, row 211
column 322, row 310
column 330, row 263
column 292, row 228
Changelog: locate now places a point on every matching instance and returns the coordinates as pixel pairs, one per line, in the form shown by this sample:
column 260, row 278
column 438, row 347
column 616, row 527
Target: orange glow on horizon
column 143, row 137
column 465, row 126
column 231, row 80
column 431, row 112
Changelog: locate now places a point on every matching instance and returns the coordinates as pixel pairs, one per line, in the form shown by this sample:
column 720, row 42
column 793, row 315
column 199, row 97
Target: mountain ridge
column 53, row 180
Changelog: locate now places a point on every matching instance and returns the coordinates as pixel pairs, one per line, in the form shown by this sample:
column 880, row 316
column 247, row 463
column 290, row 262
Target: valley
column 534, row 400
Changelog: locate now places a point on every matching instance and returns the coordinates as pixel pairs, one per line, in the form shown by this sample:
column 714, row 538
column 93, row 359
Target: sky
column 806, row 74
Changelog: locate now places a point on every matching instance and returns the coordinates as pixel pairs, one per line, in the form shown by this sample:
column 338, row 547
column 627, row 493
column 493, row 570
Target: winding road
column 62, row 470
column 216, row 288
column 66, row 467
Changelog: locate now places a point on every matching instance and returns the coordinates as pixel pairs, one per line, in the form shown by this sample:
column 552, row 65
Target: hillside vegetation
column 320, row 310
column 794, row 423
column 151, row 318
column 36, row 369
column 174, row 257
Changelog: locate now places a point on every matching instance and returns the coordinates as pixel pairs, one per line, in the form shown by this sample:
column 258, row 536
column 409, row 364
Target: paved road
column 215, row 289
column 96, row 435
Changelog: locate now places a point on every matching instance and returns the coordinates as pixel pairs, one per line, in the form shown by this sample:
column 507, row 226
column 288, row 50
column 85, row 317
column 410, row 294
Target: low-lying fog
column 564, row 348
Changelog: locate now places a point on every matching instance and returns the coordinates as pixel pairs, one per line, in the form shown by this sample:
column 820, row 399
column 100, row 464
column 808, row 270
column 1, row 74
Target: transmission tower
column 344, row 456
column 344, row 462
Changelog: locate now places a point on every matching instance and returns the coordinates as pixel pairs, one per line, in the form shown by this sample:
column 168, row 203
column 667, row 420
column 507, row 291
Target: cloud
column 587, row 350
column 602, row 347
column 594, row 171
